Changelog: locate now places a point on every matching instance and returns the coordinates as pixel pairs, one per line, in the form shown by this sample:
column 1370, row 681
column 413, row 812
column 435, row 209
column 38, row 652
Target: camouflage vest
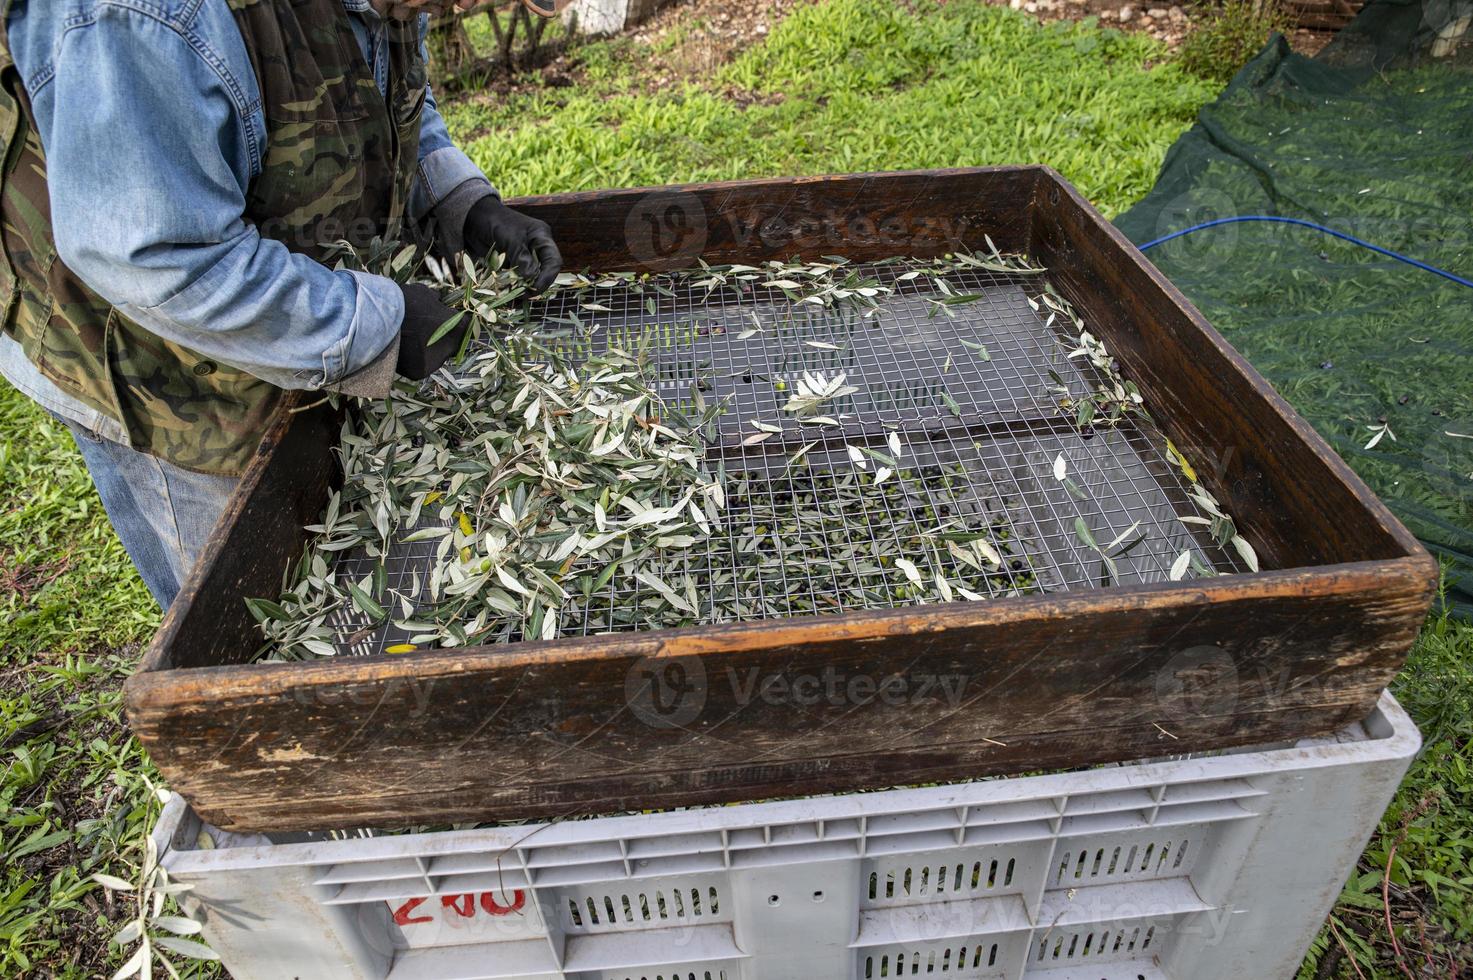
column 338, row 164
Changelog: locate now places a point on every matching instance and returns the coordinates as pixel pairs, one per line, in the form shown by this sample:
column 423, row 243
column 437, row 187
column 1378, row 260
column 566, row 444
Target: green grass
column 1217, row 46
column 849, row 85
column 73, row 797
column 854, row 85
column 1427, row 824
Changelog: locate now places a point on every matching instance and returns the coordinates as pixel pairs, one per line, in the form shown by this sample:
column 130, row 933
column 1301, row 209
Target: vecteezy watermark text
column 668, row 693
column 835, row 687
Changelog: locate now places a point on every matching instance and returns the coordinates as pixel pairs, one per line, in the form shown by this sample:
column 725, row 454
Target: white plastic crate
column 1211, row 867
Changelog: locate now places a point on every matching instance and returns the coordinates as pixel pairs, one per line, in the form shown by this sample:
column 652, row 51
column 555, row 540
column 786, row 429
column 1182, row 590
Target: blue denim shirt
column 151, row 118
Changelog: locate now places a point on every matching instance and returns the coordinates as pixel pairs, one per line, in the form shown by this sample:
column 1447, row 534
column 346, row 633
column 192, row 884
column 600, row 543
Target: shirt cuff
column 377, row 317
column 440, row 172
column 375, row 380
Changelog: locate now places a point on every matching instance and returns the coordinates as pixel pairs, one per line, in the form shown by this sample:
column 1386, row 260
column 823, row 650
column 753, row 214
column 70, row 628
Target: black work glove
column 526, row 242
column 423, row 316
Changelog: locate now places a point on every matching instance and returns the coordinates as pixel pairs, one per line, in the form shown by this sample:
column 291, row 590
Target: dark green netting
column 1373, row 137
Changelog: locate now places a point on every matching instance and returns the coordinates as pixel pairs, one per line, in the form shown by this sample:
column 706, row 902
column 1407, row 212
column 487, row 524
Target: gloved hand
column 423, row 316
column 526, row 242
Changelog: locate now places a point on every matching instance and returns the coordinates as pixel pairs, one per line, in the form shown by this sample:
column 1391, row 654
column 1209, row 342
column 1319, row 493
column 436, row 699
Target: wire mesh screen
column 974, row 396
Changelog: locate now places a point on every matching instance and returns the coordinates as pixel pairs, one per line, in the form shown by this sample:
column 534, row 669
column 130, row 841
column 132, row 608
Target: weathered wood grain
column 542, row 729
column 861, row 216
column 551, row 729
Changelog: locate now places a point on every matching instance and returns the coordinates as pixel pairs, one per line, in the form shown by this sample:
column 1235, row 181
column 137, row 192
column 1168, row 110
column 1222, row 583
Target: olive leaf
column 443, row 330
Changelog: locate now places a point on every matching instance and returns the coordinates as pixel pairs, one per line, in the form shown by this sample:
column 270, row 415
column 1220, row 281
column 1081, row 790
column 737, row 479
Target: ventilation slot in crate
column 1096, row 943
column 979, row 956
column 962, row 960
column 653, row 907
column 939, row 879
column 954, row 874
column 672, row 975
column 1126, row 860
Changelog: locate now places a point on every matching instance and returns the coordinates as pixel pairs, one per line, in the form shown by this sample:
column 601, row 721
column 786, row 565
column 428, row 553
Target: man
column 172, row 169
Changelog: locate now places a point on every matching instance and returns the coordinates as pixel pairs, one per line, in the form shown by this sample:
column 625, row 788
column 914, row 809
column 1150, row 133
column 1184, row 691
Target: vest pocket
column 30, row 250
column 30, row 253
column 9, row 124
column 68, row 340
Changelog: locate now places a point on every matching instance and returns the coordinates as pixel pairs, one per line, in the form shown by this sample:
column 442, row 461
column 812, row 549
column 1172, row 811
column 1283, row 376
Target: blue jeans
column 162, row 513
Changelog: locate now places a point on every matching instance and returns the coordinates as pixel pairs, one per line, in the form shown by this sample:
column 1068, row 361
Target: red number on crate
column 401, row 914
column 465, row 905
column 492, row 907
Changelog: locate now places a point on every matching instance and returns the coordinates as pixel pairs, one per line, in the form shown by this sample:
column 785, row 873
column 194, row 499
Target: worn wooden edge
column 1230, row 359
column 392, row 751
column 769, row 183
column 784, row 218
column 154, row 693
column 402, row 753
column 954, row 762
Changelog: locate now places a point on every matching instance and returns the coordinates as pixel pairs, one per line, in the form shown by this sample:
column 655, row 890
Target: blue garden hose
column 1310, row 224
